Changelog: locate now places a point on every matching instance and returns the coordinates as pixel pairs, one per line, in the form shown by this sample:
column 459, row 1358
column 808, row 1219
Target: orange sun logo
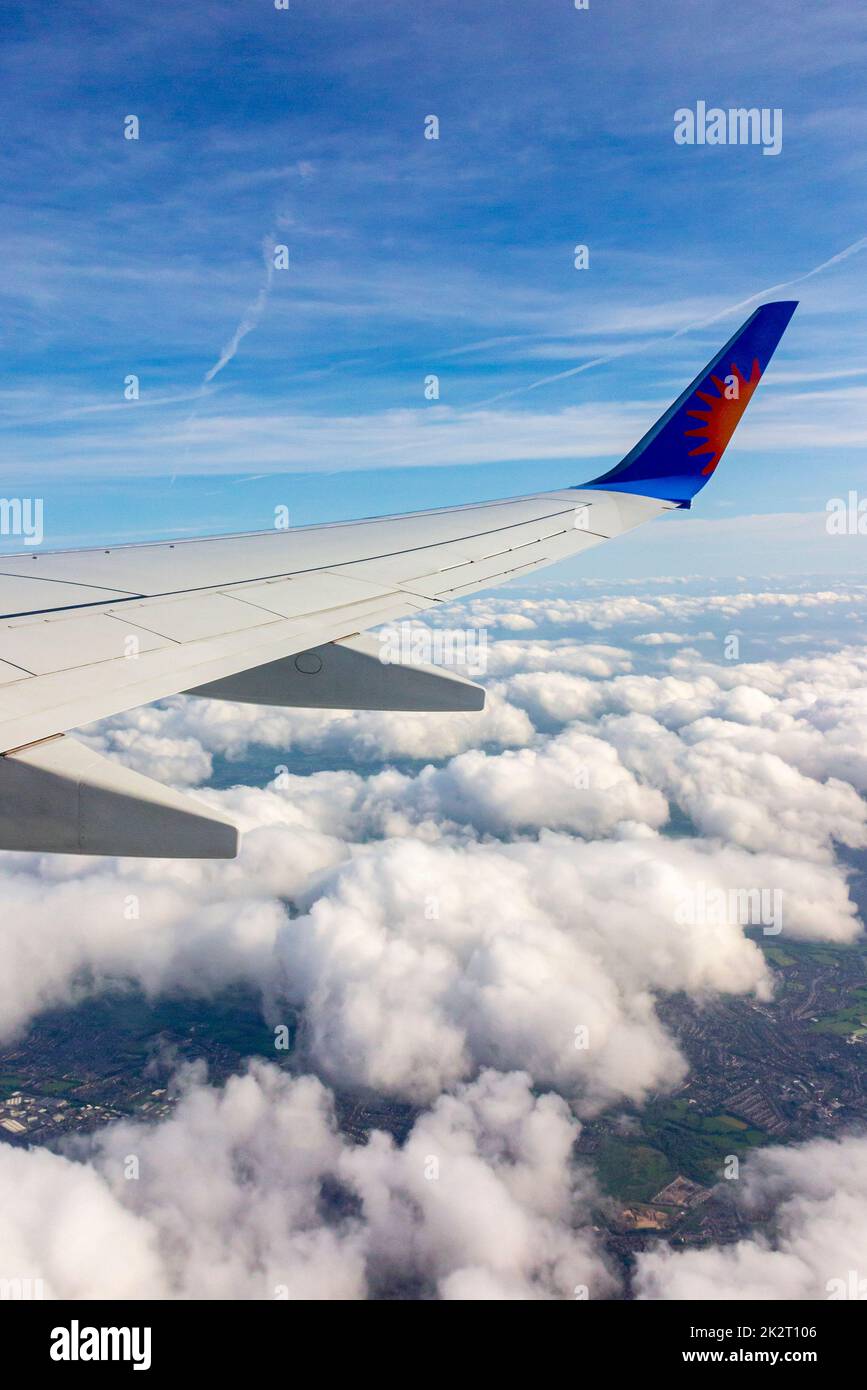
column 723, row 412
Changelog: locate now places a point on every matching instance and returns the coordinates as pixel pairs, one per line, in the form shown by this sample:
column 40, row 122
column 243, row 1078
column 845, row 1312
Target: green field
column 632, row 1171
column 59, row 1087
column 842, row 1022
column 777, row 956
column 675, row 1139
column 232, row 1018
column 819, row 953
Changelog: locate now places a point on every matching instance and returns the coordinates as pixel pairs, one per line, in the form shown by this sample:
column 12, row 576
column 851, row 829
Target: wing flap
column 108, row 657
column 314, row 592
column 525, row 555
column 192, row 618
column 62, row 643
column 37, row 708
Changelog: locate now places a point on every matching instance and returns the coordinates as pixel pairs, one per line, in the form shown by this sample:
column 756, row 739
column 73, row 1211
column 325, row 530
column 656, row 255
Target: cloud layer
column 251, row 1192
column 483, row 931
column 811, row 1203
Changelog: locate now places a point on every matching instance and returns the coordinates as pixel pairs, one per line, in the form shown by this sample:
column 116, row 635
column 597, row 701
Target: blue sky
column 410, row 257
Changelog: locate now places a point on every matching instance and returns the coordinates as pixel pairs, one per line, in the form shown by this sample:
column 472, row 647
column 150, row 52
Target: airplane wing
column 279, row 618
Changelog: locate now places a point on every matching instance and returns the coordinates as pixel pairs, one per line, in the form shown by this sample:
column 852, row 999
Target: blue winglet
column 679, row 453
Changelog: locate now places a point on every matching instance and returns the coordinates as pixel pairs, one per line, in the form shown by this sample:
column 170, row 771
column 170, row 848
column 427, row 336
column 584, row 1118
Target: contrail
column 251, row 316
column 249, row 319
column 843, row 255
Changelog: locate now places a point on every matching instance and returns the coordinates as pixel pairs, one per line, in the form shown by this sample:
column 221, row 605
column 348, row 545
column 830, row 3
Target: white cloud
column 450, row 927
column 250, row 1192
column 749, row 797
column 811, row 1200
column 418, row 960
column 581, row 658
column 168, row 733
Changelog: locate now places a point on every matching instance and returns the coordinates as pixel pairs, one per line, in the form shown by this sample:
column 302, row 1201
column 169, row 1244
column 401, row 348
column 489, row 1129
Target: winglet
column 679, row 453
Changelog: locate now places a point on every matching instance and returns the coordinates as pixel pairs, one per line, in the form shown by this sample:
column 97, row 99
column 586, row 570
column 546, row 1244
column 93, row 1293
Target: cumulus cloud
column 181, row 736
column 811, row 1201
column 464, row 934
column 628, row 610
column 417, row 961
column 483, row 1200
column 751, row 797
column 564, row 654
column 668, row 639
column 572, row 782
column 420, row 962
column 427, row 900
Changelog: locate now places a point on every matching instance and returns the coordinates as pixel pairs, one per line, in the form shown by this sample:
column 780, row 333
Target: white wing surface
column 84, row 634
column 277, row 618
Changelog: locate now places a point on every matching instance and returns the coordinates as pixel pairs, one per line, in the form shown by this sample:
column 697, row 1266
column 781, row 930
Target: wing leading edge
column 87, row 634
